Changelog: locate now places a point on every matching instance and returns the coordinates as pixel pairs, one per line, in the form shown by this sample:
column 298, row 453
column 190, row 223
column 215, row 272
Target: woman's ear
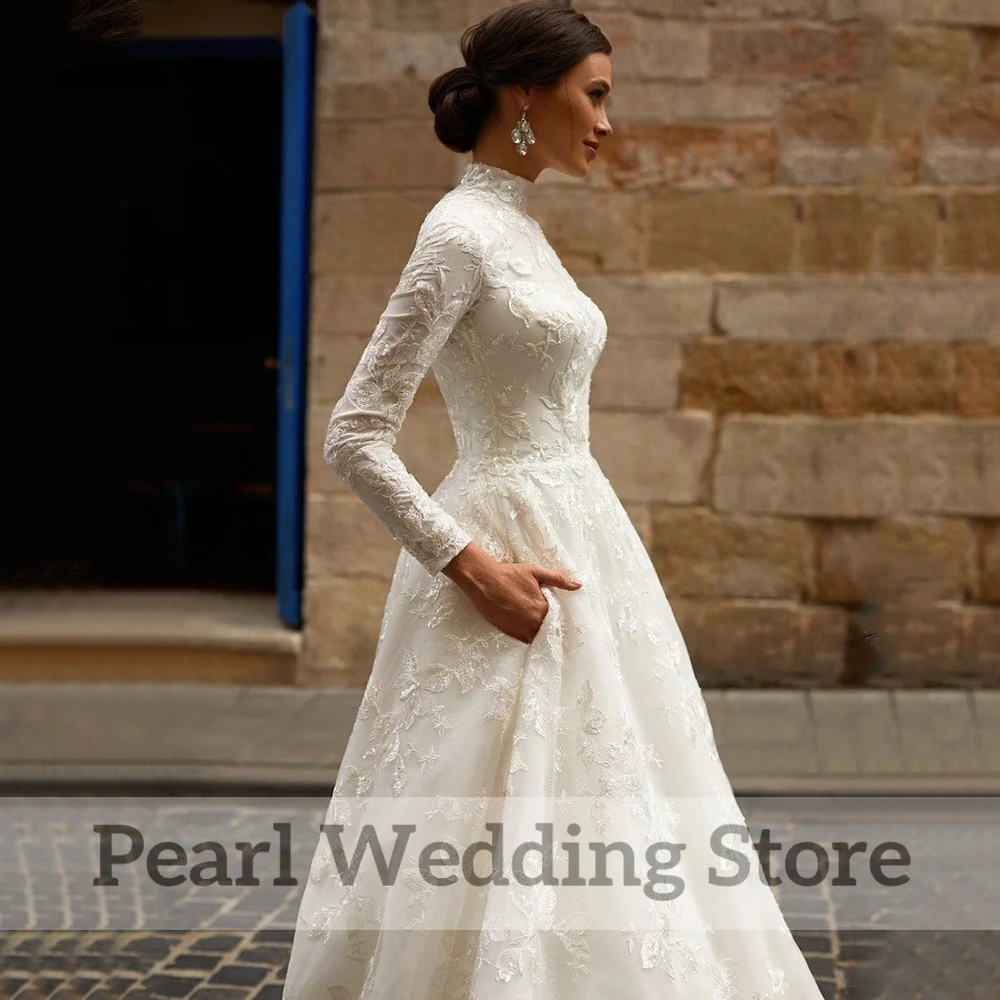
column 521, row 94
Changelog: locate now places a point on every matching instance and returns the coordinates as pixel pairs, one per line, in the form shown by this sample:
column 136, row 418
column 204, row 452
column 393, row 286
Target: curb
column 772, row 742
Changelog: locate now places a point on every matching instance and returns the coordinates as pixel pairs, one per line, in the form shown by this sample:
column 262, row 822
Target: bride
column 528, row 661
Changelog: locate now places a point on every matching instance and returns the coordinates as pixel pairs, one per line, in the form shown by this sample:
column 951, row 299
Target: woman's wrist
column 470, row 567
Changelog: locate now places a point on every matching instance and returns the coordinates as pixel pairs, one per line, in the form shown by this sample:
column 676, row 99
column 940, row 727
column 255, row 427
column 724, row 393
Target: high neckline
column 510, row 188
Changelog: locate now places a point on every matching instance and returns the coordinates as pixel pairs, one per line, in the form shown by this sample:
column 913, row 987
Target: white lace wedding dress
column 602, row 707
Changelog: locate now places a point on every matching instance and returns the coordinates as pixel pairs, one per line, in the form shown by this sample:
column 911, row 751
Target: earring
column 522, row 135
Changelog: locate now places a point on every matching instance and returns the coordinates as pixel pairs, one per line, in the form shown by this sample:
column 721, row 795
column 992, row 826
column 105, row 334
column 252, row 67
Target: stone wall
column 794, row 233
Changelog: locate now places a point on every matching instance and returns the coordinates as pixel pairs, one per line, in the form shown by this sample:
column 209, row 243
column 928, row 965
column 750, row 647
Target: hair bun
column 471, row 74
column 460, row 101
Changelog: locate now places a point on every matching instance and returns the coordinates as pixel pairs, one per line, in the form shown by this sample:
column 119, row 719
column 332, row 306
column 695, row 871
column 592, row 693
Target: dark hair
column 531, row 44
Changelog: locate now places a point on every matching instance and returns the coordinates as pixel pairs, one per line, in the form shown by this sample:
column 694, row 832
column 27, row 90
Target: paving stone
column 272, row 991
column 813, row 944
column 154, row 947
column 278, row 936
column 218, row 943
column 238, row 975
column 204, row 962
column 821, row 968
column 14, row 962
column 53, row 963
column 261, row 955
column 171, row 986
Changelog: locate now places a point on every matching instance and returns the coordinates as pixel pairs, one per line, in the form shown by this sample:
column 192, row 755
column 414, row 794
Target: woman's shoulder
column 458, row 219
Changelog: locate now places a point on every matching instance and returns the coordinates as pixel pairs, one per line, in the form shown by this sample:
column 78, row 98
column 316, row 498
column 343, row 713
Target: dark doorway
column 153, row 457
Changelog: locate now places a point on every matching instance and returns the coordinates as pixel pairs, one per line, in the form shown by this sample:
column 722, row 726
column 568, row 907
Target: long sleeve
column 439, row 283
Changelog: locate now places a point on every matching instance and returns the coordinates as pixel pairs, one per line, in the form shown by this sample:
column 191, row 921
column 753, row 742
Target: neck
column 512, row 162
column 511, row 166
column 498, row 182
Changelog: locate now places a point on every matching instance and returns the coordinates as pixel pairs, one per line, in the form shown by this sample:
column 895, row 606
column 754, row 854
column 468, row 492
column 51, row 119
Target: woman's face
column 571, row 118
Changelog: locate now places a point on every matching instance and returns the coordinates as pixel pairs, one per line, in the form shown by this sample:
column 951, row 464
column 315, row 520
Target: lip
column 592, row 148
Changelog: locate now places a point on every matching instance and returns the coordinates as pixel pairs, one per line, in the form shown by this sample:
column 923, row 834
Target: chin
column 575, row 168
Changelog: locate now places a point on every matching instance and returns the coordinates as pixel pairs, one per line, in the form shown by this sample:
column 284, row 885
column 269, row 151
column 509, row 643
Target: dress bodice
column 486, row 303
column 515, row 374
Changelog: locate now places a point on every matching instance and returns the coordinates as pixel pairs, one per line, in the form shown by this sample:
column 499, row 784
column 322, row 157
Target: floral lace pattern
column 602, row 705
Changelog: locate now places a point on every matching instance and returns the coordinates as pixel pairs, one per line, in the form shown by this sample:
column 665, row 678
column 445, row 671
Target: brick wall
column 795, row 235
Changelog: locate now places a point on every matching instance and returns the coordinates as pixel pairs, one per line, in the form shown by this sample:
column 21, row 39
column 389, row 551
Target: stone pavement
column 249, row 965
column 239, row 949
column 103, row 966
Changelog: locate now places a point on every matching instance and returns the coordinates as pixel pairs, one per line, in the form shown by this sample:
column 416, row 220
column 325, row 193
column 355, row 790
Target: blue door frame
column 296, row 200
column 297, row 50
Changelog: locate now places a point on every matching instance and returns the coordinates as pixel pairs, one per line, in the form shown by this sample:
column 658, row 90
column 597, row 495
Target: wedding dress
column 602, row 707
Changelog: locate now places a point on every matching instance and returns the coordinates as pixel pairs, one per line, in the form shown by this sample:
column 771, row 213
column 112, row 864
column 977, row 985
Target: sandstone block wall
column 794, row 233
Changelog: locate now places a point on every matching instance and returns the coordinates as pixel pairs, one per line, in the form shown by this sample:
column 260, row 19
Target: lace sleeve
column 439, row 283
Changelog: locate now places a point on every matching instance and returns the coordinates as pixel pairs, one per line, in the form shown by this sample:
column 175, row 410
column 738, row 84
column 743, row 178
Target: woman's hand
column 507, row 595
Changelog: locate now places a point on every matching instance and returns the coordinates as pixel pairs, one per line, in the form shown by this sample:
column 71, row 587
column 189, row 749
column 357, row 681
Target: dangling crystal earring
column 522, row 135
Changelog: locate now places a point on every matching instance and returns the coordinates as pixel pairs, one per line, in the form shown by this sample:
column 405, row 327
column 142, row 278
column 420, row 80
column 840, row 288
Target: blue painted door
column 296, row 184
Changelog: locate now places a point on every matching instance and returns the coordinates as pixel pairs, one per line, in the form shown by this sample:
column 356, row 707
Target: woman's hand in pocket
column 507, row 595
